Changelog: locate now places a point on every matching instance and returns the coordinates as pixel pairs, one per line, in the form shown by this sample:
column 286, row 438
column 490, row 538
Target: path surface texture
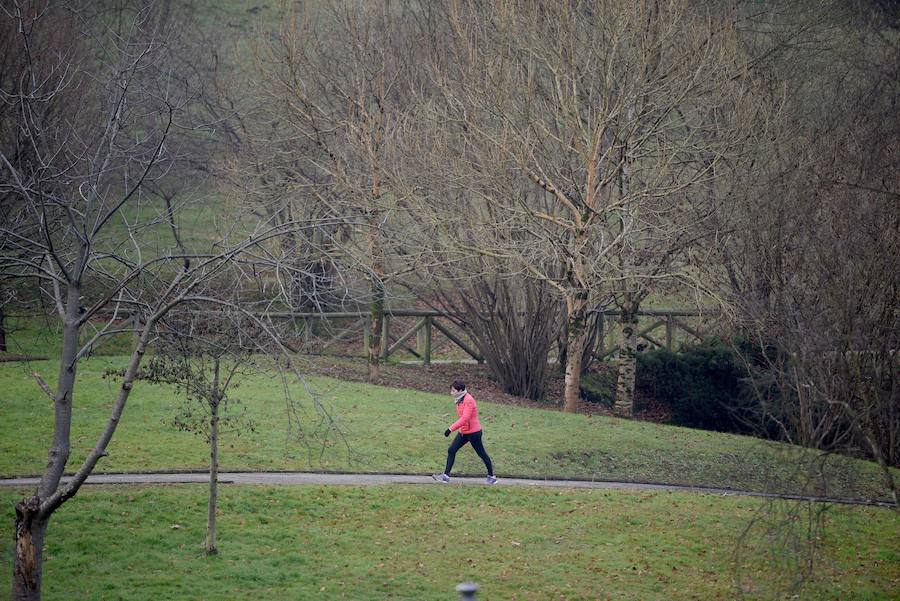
column 294, row 478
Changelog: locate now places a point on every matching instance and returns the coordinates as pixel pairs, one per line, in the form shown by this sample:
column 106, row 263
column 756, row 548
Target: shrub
column 704, row 385
column 599, row 387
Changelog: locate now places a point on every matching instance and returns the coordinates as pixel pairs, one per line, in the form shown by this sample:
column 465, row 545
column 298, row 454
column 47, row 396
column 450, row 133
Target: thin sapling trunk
column 211, row 548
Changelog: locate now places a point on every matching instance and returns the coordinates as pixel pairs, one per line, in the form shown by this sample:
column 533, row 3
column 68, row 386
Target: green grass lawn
column 417, row 542
column 42, row 337
column 394, row 430
column 204, row 217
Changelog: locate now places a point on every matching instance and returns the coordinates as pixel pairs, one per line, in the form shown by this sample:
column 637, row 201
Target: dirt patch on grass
column 436, row 378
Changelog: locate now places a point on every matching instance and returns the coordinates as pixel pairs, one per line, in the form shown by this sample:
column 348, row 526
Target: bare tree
column 807, row 262
column 813, row 276
column 15, row 63
column 88, row 162
column 586, row 127
column 512, row 321
column 338, row 77
column 203, row 351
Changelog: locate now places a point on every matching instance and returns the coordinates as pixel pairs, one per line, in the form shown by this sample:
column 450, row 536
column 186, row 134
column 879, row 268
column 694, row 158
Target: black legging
column 457, row 444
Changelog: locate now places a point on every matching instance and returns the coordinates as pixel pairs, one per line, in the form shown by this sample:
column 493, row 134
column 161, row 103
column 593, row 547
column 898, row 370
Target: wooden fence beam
column 307, row 330
column 652, row 340
column 669, row 326
column 663, row 312
column 650, row 312
column 407, row 336
column 679, row 324
column 458, row 342
column 367, row 335
column 385, row 336
column 343, row 333
column 642, row 334
column 423, row 341
column 601, row 333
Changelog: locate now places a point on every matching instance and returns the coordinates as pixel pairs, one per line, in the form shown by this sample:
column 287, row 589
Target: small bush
column 599, row 387
column 703, row 385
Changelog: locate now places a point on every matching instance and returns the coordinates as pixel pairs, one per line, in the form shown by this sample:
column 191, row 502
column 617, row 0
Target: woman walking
column 469, row 431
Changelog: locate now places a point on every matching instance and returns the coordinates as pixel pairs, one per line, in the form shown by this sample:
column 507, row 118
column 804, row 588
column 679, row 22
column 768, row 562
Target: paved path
column 295, row 478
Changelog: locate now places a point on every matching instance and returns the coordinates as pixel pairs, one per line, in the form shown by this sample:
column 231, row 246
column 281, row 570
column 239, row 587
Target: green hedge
column 599, row 387
column 705, row 385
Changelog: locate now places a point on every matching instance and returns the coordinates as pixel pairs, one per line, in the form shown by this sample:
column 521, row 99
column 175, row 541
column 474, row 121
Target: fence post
column 601, row 334
column 367, row 335
column 420, row 339
column 669, row 332
column 136, row 324
column 426, row 355
column 423, row 340
column 385, row 335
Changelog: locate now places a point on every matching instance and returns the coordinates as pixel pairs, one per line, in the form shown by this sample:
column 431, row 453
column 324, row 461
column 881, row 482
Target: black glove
column 447, row 432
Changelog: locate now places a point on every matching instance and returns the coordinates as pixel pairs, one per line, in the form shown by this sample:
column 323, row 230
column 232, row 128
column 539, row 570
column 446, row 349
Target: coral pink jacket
column 467, row 411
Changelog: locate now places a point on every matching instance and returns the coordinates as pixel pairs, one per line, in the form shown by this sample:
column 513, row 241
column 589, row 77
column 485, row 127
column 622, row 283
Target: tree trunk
column 562, row 344
column 292, row 251
column 2, row 331
column 58, row 455
column 576, row 335
column 210, row 546
column 627, row 365
column 31, row 526
column 377, row 312
column 30, row 531
column 31, row 523
column 376, row 249
column 376, row 278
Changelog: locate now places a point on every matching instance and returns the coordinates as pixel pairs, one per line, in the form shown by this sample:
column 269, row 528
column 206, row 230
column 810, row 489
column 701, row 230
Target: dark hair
column 458, row 385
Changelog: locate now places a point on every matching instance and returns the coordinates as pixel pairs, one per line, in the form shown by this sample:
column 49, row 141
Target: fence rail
column 427, row 322
column 656, row 311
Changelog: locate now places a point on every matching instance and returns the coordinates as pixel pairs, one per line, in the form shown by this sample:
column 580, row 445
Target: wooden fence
column 429, row 320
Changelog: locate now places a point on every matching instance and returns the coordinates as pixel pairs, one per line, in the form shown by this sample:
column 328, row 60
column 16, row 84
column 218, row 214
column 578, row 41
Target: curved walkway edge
column 295, row 478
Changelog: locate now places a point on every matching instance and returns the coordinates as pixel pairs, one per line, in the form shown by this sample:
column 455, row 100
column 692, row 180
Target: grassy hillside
column 395, row 430
column 410, row 542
